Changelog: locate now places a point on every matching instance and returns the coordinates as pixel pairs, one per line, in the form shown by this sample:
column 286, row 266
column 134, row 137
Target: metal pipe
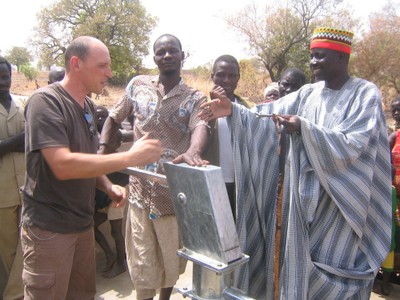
column 159, row 178
column 213, row 266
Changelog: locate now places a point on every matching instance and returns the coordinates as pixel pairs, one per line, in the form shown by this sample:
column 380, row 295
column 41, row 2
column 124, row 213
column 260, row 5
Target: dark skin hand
column 291, row 123
column 13, row 144
column 191, row 156
column 221, row 106
column 111, row 135
column 198, row 142
column 217, row 91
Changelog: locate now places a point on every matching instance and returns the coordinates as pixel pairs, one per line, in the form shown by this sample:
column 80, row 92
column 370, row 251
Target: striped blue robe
column 336, row 213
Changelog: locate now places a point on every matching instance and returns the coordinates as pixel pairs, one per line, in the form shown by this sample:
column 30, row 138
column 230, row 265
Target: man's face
column 271, row 95
column 5, row 80
column 226, row 75
column 102, row 115
column 395, row 107
column 288, row 84
column 96, row 69
column 325, row 64
column 168, row 55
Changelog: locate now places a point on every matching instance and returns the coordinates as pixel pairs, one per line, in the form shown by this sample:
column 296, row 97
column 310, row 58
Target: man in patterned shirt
column 167, row 109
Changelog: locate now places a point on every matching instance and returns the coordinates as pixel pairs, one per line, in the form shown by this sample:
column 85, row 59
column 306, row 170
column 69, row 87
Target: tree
column 253, row 80
column 29, row 72
column 377, row 54
column 19, row 56
column 123, row 25
column 280, row 35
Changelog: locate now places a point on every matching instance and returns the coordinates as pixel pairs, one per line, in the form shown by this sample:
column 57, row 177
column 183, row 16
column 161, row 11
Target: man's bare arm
column 73, row 165
column 115, row 192
column 198, row 144
column 110, row 140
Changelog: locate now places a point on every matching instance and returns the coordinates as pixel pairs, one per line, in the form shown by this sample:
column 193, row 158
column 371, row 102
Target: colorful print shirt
column 169, row 118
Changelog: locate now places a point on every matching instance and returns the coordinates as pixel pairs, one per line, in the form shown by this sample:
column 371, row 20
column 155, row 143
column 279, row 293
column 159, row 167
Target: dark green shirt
column 54, row 119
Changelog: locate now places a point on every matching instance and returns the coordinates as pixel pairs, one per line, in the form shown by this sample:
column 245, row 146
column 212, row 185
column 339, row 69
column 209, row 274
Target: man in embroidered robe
column 336, row 207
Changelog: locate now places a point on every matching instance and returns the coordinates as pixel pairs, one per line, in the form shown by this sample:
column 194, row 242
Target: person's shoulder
column 193, row 92
column 141, row 83
column 199, row 95
column 52, row 94
column 319, row 85
column 360, row 83
column 366, row 90
column 45, row 90
column 245, row 101
column 20, row 100
column 391, row 131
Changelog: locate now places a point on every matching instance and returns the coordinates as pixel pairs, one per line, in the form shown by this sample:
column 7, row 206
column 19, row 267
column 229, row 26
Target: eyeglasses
column 91, row 125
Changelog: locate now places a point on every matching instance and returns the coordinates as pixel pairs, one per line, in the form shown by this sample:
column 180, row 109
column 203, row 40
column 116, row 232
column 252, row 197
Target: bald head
column 56, row 74
column 80, row 48
column 87, row 67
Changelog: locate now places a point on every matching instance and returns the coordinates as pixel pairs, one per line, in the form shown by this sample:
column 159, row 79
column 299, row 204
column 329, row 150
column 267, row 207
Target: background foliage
column 277, row 35
column 123, row 25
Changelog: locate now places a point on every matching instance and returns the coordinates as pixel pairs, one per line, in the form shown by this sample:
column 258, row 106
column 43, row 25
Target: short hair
column 226, row 58
column 102, row 108
column 56, row 74
column 79, row 47
column 395, row 100
column 168, row 36
column 299, row 74
column 5, row 61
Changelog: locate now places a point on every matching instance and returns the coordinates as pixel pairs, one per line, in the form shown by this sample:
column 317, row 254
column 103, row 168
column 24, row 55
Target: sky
column 198, row 24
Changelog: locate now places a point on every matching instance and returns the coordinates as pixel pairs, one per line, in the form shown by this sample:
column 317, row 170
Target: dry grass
column 202, row 84
column 21, row 86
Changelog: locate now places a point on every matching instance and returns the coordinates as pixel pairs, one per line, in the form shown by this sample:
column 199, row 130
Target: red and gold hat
column 331, row 38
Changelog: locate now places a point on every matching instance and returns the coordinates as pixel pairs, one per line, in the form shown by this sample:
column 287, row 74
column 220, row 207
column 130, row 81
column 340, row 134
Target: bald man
column 62, row 173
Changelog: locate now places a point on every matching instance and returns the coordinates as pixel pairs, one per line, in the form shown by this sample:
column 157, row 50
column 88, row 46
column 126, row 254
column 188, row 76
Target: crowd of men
column 309, row 183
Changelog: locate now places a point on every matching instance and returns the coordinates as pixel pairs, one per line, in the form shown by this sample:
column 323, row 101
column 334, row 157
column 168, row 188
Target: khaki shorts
column 151, row 247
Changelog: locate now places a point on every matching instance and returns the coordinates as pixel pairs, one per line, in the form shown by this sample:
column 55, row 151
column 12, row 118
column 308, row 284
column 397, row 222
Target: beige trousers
column 10, row 253
column 151, row 247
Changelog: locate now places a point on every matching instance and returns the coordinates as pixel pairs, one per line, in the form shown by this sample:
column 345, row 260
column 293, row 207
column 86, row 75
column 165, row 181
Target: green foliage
column 124, row 26
column 280, row 34
column 251, row 84
column 19, row 56
column 252, row 80
column 30, row 72
column 376, row 56
column 203, row 72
